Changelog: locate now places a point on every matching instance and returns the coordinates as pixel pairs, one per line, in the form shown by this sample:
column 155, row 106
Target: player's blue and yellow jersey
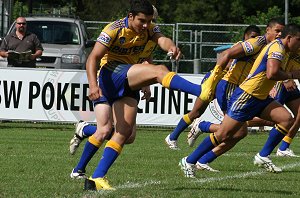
column 147, row 52
column 257, row 84
column 124, row 45
column 283, row 96
column 241, row 67
column 293, row 62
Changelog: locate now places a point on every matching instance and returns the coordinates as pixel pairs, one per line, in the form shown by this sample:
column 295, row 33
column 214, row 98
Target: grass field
column 35, row 162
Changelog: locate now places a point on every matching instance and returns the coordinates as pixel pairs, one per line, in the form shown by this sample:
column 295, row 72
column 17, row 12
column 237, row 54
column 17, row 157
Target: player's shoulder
column 277, row 45
column 257, row 41
column 115, row 25
column 254, row 45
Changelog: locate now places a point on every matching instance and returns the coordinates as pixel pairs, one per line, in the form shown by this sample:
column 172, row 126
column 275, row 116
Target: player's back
column 293, row 62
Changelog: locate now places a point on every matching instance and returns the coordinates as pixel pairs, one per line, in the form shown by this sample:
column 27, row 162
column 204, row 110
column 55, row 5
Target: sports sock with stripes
column 206, row 145
column 273, row 140
column 181, row 126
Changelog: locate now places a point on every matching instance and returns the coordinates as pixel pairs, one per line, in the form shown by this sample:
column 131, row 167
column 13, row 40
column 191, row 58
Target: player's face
column 139, row 22
column 294, row 43
column 274, row 32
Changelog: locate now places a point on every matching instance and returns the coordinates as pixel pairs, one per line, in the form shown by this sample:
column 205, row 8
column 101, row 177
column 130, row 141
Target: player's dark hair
column 275, row 21
column 251, row 28
column 291, row 29
column 141, row 6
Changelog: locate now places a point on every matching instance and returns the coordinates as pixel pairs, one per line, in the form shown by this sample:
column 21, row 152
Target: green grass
column 35, row 162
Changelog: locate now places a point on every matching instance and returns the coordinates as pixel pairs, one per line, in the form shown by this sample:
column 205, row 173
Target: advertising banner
column 62, row 96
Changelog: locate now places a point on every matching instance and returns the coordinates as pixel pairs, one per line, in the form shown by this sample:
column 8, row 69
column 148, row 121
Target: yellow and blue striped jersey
column 257, row 84
column 293, row 62
column 147, row 52
column 124, row 45
column 240, row 68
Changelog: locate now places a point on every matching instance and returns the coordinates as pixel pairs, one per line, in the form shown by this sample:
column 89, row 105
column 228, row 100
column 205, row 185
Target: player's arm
column 208, row 87
column 274, row 71
column 167, row 45
column 92, row 66
column 235, row 52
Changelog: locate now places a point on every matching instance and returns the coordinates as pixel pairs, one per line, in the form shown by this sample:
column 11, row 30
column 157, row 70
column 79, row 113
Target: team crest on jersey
column 249, row 47
column 122, row 40
column 277, row 55
column 104, row 38
column 156, row 29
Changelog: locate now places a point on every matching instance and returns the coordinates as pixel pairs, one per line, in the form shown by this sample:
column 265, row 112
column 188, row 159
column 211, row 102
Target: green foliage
column 35, row 162
column 19, row 9
column 295, row 20
column 191, row 11
column 102, row 10
column 262, row 18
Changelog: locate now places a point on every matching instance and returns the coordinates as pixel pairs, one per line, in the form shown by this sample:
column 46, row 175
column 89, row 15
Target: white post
column 286, row 11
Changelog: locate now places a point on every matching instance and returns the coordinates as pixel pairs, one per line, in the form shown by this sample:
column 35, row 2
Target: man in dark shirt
column 21, row 41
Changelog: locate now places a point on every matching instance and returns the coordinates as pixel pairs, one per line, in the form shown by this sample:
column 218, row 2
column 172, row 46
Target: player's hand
column 94, row 92
column 147, row 93
column 176, row 53
column 290, row 85
column 273, row 92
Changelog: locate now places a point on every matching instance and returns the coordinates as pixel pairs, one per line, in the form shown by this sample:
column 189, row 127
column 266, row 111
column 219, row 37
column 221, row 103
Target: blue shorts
column 114, row 84
column 224, row 91
column 284, row 96
column 100, row 100
column 243, row 106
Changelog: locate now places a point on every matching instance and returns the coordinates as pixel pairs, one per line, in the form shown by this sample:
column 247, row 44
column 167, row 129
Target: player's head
column 291, row 35
column 140, row 15
column 155, row 14
column 141, row 6
column 251, row 31
column 21, row 24
column 274, row 28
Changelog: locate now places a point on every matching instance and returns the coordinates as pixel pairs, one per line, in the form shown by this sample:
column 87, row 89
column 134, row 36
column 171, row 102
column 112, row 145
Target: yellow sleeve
column 253, row 45
column 108, row 35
